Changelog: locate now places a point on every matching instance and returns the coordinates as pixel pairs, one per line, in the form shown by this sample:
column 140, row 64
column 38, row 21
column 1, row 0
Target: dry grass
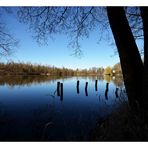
column 122, row 125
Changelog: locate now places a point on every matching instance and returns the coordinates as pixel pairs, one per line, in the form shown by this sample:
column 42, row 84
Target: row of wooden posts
column 60, row 89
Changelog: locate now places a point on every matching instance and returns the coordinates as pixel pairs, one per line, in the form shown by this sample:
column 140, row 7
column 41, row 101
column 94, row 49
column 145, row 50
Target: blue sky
column 57, row 52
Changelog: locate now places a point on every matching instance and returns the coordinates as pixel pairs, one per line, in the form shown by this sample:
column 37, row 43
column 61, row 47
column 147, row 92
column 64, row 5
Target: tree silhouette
column 76, row 22
column 135, row 21
column 130, row 59
column 144, row 11
column 126, row 24
column 7, row 41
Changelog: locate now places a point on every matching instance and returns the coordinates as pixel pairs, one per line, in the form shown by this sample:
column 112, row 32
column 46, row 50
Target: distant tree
column 117, row 69
column 100, row 71
column 94, row 69
column 108, row 71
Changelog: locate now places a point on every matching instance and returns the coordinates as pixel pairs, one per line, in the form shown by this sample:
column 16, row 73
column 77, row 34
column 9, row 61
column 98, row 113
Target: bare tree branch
column 7, row 41
column 76, row 22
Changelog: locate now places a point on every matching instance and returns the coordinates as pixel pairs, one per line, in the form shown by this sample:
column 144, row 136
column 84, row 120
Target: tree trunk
column 131, row 63
column 144, row 15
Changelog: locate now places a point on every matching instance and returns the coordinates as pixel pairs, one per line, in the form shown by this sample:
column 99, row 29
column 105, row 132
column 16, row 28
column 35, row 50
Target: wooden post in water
column 106, row 91
column 116, row 92
column 86, row 86
column 61, row 96
column 96, row 85
column 58, row 88
column 78, row 87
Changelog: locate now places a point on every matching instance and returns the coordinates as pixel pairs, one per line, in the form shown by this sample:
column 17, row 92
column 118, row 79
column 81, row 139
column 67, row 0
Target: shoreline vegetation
column 12, row 68
column 121, row 125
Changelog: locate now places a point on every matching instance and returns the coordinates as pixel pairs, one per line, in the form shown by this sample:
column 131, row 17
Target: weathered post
column 61, row 96
column 86, row 86
column 116, row 93
column 96, row 85
column 58, row 88
column 78, row 82
column 106, row 91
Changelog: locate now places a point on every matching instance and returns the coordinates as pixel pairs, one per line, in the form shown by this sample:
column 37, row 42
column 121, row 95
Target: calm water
column 31, row 110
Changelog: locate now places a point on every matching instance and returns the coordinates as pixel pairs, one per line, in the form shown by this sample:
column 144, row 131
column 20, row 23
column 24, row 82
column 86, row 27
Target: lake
column 31, row 108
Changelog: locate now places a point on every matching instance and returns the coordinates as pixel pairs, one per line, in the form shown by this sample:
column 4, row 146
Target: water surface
column 31, row 110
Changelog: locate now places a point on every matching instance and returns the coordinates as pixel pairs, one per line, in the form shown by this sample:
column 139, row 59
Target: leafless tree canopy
column 77, row 22
column 7, row 41
column 135, row 21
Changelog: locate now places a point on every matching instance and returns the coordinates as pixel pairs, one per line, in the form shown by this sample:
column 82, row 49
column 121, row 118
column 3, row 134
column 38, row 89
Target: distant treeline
column 12, row 68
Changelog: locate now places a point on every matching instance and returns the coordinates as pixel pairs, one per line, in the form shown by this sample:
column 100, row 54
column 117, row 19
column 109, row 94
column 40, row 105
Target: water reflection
column 29, row 80
column 26, row 80
column 55, row 108
column 118, row 81
column 107, row 78
column 100, row 77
